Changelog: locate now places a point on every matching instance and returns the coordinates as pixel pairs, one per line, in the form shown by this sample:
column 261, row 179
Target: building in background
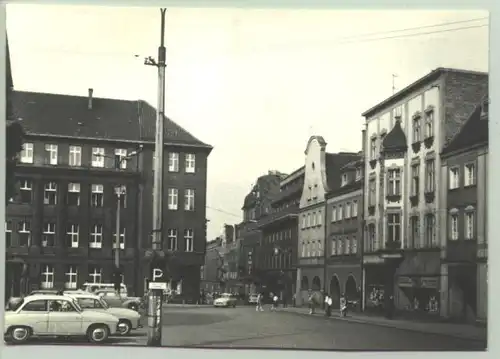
column 465, row 249
column 321, row 175
column 211, row 274
column 231, row 250
column 61, row 225
column 344, row 228
column 278, row 251
column 404, row 137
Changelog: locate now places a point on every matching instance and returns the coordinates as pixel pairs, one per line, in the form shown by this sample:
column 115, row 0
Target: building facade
column 62, row 223
column 321, row 175
column 464, row 189
column 404, row 137
column 344, row 222
column 278, row 250
column 211, row 275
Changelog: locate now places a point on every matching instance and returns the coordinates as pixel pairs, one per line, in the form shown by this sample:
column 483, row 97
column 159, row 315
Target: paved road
column 244, row 328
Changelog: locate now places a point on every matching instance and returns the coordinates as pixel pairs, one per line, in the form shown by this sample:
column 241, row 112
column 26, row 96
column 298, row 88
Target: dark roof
column 350, row 187
column 396, row 139
column 267, row 185
column 474, row 131
column 353, row 164
column 69, row 116
column 334, row 163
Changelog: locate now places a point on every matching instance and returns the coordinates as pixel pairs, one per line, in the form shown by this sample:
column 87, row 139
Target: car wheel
column 98, row 333
column 19, row 335
column 124, row 326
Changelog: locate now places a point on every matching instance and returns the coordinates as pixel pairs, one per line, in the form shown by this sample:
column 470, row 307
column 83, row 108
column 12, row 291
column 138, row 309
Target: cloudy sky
column 255, row 84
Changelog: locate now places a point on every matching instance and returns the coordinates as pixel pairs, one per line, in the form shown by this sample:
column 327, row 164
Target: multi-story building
column 211, row 275
column 231, row 251
column 61, row 226
column 344, row 228
column 321, row 175
column 404, row 137
column 278, row 250
column 464, row 189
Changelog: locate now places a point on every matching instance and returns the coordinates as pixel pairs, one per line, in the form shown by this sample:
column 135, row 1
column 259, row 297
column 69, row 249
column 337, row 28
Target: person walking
column 259, row 308
column 311, row 299
column 328, row 305
column 275, row 302
column 343, row 305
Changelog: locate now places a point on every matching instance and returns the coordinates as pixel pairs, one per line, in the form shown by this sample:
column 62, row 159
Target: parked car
column 56, row 316
column 253, row 298
column 94, row 287
column 225, row 300
column 128, row 319
column 120, row 301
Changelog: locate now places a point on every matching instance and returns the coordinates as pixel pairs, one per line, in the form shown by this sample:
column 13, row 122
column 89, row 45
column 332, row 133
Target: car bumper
column 223, row 304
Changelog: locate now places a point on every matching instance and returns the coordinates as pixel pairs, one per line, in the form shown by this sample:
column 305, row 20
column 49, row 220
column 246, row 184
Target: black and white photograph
column 245, row 178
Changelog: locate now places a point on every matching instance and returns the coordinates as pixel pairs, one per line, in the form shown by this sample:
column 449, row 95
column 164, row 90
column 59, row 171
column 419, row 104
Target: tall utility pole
column 155, row 294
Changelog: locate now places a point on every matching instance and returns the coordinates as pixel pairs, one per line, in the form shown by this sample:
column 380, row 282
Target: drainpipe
column 363, row 225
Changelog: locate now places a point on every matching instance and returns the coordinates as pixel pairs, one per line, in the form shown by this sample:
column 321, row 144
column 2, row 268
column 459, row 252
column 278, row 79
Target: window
column 469, row 225
column 47, row 277
column 121, row 239
column 97, row 195
column 72, row 235
column 454, row 226
column 172, row 239
column 96, row 274
column 415, row 180
column 190, row 163
column 355, row 208
column 189, row 240
column 75, row 156
column 308, row 220
column 96, row 236
column 371, row 244
column 372, row 194
column 354, row 244
column 51, row 154
column 394, row 182
column 373, row 148
column 303, row 221
column 415, row 232
column 334, row 214
column 429, row 124
column 394, row 227
column 36, row 306
column 27, row 153
column 340, row 212
column 71, row 277
column 8, row 234
column 345, row 179
column 454, row 178
column 120, row 158
column 430, row 230
column 470, row 175
column 24, row 233
column 50, row 193
column 313, row 219
column 429, row 175
column 339, row 247
column 189, row 200
column 416, row 130
column 173, row 162
column 319, row 221
column 26, row 188
column 87, row 303
column 348, row 210
column 98, row 157
column 347, row 245
column 358, row 174
column 334, row 247
column 73, row 194
column 173, row 198
column 49, row 234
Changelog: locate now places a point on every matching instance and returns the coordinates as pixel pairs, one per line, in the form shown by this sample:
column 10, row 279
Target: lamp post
column 120, row 190
column 284, row 282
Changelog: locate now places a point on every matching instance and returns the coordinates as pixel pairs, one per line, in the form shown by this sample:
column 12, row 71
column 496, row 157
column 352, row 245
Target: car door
column 35, row 314
column 64, row 319
column 112, row 299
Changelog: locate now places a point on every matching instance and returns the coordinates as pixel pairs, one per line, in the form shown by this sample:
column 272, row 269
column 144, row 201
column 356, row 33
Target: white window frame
column 96, row 275
column 430, row 175
column 96, row 190
column 23, row 230
column 333, row 250
column 417, row 129
column 454, row 226
column 98, row 157
column 354, row 245
column 75, row 188
column 190, row 163
column 48, row 277
column 308, row 220
column 189, row 240
column 173, row 162
column 8, row 231
column 334, row 214
column 319, row 221
column 49, row 229
column 27, row 153
column 189, row 196
column 354, row 209
column 469, row 219
column 26, row 185
column 340, row 213
column 74, row 233
column 347, row 245
column 52, row 152
column 394, row 182
column 415, row 179
column 348, row 210
column 396, row 226
column 429, row 124
column 313, row 219
column 75, row 156
column 173, row 199
column 122, row 153
column 96, row 236
column 345, row 179
column 123, row 232
column 71, row 277
column 469, row 174
column 340, row 247
column 454, row 175
column 303, row 221
column 430, row 229
column 172, row 235
column 358, row 173
column 50, row 187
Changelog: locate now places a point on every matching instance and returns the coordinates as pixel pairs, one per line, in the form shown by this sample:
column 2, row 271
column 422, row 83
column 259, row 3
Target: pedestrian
column 310, row 300
column 328, row 305
column 284, row 301
column 343, row 305
column 259, row 303
column 275, row 302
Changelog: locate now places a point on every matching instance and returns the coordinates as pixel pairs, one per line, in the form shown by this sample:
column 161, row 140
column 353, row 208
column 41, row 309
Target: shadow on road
column 185, row 318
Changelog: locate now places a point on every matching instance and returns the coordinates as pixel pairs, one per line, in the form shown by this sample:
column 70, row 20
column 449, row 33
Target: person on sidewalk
column 285, row 304
column 259, row 308
column 328, row 305
column 275, row 302
column 343, row 305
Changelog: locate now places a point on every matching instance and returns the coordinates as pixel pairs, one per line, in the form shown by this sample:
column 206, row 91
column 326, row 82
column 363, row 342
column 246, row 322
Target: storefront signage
column 429, row 282
column 406, row 282
column 373, row 260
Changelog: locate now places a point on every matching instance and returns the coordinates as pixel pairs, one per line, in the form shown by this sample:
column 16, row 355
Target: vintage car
column 225, row 300
column 56, row 316
column 116, row 300
column 253, row 298
column 128, row 319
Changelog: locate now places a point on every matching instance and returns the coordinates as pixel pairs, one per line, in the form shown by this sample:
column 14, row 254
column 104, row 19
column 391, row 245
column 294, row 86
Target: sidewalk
column 461, row 331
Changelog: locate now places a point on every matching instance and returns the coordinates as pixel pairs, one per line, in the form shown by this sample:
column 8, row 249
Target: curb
column 386, row 325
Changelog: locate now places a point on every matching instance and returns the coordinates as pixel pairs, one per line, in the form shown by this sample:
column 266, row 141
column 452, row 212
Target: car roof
column 30, row 298
column 83, row 295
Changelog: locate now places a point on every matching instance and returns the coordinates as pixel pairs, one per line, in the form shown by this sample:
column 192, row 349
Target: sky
column 255, row 84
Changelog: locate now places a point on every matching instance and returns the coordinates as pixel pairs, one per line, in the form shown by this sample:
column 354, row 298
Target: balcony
column 461, row 251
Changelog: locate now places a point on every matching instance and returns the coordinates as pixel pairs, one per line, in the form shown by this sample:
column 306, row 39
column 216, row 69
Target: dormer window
column 358, row 174
column 345, row 179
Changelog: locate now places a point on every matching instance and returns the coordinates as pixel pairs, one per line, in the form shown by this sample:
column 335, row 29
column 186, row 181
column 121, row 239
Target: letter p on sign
column 157, row 273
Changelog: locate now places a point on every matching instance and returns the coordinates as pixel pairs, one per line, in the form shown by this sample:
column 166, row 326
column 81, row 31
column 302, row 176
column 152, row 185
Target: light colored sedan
column 56, row 316
column 128, row 319
column 114, row 299
column 225, row 300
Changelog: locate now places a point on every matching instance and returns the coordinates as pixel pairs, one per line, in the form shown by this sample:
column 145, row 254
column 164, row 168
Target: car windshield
column 104, row 304
column 76, row 305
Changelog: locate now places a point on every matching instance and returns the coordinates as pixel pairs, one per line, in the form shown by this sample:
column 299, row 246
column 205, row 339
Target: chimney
column 91, row 91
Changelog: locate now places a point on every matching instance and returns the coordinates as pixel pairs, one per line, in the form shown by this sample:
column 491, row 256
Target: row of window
column 98, row 157
column 345, row 211
column 469, row 176
column 282, row 235
column 312, row 248
column 468, row 219
column 344, row 245
column 281, row 260
column 311, row 220
column 71, row 276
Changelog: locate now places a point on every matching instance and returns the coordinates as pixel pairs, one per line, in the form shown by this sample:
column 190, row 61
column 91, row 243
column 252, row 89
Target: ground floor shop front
column 344, row 279
column 310, row 279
